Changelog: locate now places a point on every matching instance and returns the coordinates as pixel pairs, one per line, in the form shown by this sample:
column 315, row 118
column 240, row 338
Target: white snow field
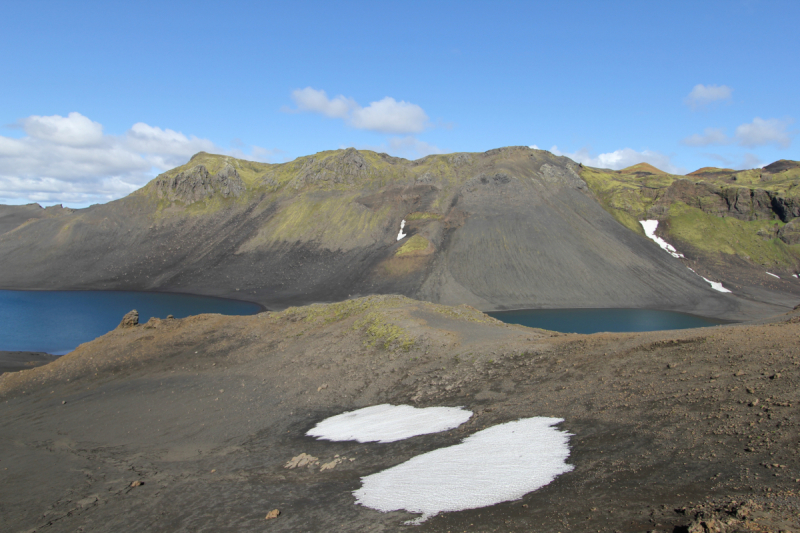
column 717, row 286
column 401, row 235
column 650, row 226
column 498, row 464
column 388, row 423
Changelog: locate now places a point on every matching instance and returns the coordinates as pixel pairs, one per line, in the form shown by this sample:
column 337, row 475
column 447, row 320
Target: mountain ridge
column 508, row 228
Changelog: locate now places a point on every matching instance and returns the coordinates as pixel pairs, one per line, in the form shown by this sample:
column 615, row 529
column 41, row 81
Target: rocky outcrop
column 790, row 233
column 346, row 167
column 197, row 184
column 130, row 319
column 742, row 203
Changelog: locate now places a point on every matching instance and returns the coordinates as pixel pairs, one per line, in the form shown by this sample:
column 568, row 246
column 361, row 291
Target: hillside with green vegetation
column 508, row 228
column 712, row 213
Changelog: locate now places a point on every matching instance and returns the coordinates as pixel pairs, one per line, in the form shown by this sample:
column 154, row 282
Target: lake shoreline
column 178, row 416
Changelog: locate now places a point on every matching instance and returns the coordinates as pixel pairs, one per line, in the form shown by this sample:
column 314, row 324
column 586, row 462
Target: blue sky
column 99, row 97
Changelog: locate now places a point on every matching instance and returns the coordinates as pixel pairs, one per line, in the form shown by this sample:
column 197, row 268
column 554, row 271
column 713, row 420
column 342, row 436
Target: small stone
column 329, row 466
column 754, row 403
column 63, row 402
column 137, row 483
column 170, row 317
column 273, row 514
column 322, row 387
column 300, row 461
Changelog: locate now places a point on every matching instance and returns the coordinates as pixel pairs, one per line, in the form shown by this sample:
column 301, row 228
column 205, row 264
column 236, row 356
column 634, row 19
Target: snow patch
column 717, row 286
column 795, row 275
column 401, row 235
column 773, row 275
column 498, row 464
column 649, row 227
column 389, row 423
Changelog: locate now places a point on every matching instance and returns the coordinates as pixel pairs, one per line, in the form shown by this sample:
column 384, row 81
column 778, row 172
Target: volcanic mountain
column 509, row 228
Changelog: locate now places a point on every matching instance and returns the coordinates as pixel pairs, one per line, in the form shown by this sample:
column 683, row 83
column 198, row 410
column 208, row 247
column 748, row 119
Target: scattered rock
column 331, row 465
column 299, row 461
column 130, row 319
column 90, row 500
column 137, row 483
column 273, row 514
column 322, row 387
column 170, row 317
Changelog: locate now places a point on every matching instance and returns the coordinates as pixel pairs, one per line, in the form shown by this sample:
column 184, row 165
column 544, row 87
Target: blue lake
column 57, row 322
column 597, row 320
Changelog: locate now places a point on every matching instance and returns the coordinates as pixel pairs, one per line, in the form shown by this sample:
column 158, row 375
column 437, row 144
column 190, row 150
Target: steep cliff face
column 511, row 227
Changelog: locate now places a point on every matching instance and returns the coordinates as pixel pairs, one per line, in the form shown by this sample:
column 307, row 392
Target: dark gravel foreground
column 186, row 425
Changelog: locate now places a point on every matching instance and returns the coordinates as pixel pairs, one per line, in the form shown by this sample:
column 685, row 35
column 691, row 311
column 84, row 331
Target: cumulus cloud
column 315, row 101
column 71, row 160
column 384, row 116
column 760, row 132
column 709, row 136
column 620, row 159
column 702, row 95
column 72, row 130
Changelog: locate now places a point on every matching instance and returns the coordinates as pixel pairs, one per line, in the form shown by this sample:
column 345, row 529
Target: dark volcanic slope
column 670, row 429
column 509, row 228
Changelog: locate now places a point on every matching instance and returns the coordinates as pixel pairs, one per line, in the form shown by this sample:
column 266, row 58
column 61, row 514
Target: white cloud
column 390, row 116
column 70, row 160
column 709, row 136
column 408, row 147
column 620, row 159
column 315, row 101
column 702, row 95
column 72, row 130
column 761, row 132
column 384, row 116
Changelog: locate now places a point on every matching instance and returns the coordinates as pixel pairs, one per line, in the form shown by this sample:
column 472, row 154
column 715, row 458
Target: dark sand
column 16, row 361
column 671, row 429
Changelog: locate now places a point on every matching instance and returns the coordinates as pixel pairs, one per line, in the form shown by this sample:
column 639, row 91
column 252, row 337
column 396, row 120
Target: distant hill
column 711, row 170
column 645, row 168
column 508, row 228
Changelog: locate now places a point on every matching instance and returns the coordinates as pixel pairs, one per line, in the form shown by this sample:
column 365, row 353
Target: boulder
column 130, row 319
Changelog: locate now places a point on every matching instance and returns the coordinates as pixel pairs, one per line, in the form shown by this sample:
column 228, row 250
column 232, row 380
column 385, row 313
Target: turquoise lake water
column 57, row 322
column 597, row 320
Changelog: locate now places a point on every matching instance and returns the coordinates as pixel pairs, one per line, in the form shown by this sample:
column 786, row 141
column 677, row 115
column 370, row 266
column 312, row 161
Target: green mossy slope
column 713, row 210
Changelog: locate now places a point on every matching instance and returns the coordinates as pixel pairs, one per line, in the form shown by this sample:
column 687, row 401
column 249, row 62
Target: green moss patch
column 730, row 236
column 420, row 215
column 415, row 245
